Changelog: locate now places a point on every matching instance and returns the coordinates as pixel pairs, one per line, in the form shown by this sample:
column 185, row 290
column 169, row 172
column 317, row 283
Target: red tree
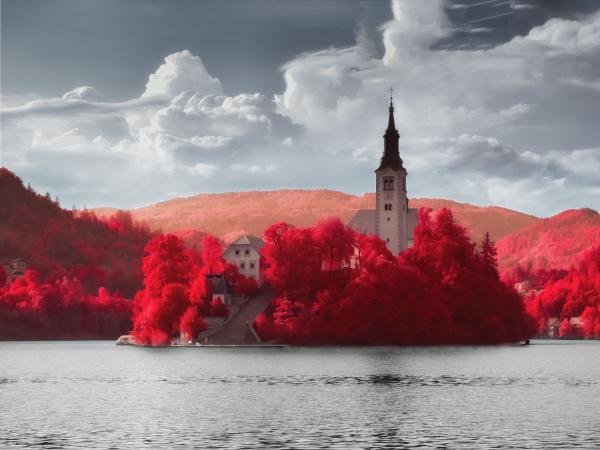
column 566, row 295
column 337, row 287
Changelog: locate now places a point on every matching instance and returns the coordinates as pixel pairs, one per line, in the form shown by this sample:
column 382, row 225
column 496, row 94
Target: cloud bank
column 513, row 124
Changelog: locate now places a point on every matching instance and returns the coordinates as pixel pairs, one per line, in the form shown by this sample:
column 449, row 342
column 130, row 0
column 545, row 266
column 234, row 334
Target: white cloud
column 205, row 170
column 253, row 168
column 500, row 118
column 181, row 132
column 180, row 72
column 87, row 93
column 567, row 34
column 513, row 124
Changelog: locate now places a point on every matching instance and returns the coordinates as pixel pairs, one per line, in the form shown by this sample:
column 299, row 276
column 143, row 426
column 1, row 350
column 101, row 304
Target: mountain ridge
column 230, row 214
column 555, row 242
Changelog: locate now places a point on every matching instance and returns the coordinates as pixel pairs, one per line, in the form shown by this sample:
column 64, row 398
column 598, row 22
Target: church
column 392, row 220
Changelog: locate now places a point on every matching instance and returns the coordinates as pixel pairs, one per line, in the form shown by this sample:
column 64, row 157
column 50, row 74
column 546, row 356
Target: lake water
column 98, row 395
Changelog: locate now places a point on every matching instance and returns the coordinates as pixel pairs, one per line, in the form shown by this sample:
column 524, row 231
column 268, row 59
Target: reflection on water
column 97, row 395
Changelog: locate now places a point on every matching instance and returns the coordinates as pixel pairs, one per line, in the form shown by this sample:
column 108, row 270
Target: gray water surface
column 97, row 395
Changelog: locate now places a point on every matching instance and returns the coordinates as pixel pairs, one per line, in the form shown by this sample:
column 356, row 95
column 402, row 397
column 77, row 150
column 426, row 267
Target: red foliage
column 57, row 242
column 572, row 296
column 240, row 284
column 211, row 255
column 192, row 324
column 167, row 262
column 177, row 294
column 335, row 287
column 60, row 309
column 218, row 309
column 554, row 243
column 78, row 259
column 3, row 276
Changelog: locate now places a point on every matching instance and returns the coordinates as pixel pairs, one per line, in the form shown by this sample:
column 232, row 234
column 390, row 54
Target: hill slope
column 55, row 241
column 553, row 243
column 230, row 214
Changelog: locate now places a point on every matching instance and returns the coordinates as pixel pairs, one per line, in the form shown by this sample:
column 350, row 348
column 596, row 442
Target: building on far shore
column 14, row 268
column 392, row 220
column 244, row 252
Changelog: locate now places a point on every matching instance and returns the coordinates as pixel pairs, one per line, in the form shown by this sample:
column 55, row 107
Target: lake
column 93, row 394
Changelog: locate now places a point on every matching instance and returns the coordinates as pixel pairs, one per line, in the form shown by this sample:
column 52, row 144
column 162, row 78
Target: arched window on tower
column 388, row 183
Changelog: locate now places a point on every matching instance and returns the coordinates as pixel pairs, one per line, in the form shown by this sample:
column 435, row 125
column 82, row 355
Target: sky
column 124, row 104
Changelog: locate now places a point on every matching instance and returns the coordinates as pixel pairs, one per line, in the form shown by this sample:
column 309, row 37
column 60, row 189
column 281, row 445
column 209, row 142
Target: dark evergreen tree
column 489, row 255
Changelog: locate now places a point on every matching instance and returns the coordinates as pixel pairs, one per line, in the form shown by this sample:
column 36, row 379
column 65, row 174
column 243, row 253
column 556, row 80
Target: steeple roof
column 391, row 154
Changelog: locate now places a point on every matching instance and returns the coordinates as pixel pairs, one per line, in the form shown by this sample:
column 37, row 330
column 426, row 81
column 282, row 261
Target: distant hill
column 56, row 242
column 553, row 243
column 230, row 214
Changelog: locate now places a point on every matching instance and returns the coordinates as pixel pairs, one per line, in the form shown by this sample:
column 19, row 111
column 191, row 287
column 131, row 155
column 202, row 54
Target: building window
column 388, row 219
column 252, row 264
column 237, row 252
column 247, row 252
column 242, row 265
column 387, row 206
column 388, row 183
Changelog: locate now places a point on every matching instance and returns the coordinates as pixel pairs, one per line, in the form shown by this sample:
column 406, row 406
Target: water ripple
column 329, row 380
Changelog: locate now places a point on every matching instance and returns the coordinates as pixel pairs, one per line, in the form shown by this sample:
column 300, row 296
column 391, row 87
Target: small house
column 244, row 253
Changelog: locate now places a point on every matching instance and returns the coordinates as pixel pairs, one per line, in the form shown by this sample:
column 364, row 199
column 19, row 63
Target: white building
column 392, row 220
column 245, row 254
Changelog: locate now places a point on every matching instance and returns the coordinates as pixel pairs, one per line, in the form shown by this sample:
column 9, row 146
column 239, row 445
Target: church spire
column 391, row 154
column 391, row 123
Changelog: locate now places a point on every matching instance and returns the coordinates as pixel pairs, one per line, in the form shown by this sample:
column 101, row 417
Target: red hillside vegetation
column 229, row 215
column 80, row 269
column 55, row 242
column 570, row 301
column 191, row 238
column 77, row 267
column 554, row 243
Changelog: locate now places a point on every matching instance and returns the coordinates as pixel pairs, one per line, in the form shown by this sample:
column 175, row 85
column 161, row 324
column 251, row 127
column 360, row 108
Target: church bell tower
column 391, row 200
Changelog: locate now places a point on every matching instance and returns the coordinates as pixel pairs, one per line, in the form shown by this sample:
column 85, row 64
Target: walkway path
column 236, row 332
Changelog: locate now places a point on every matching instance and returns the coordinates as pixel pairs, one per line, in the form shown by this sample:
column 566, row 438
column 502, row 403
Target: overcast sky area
column 112, row 103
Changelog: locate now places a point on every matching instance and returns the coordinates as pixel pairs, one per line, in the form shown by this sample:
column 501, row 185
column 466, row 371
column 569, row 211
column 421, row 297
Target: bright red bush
column 32, row 308
column 336, row 287
column 218, row 309
column 191, row 324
